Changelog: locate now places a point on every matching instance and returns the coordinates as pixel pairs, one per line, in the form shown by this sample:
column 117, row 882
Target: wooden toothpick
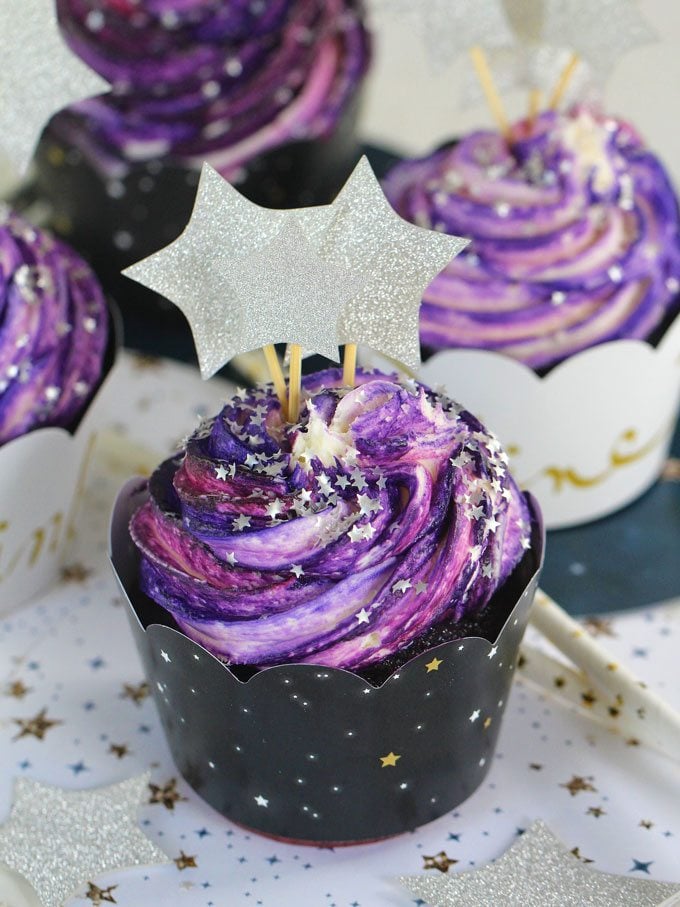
column 493, row 98
column 294, row 381
column 535, row 98
column 563, row 81
column 277, row 375
column 349, row 365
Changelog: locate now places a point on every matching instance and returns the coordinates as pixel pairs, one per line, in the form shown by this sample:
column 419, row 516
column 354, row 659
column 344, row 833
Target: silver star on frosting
column 449, row 28
column 398, row 260
column 57, row 839
column 538, row 871
column 39, row 76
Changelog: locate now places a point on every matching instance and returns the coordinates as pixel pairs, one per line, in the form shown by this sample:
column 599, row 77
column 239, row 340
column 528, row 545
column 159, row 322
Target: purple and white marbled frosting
column 337, row 541
column 215, row 80
column 575, row 237
column 53, row 330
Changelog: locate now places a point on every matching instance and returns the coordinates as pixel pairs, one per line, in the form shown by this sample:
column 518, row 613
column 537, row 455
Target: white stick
column 643, row 714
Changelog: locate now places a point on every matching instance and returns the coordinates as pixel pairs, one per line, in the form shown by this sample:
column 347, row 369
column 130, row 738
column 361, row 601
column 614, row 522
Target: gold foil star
column 136, row 692
column 185, row 862
column 537, row 871
column 57, row 839
column 40, row 75
column 389, row 760
column 100, row 895
column 440, row 861
column 397, row 259
column 35, row 727
column 578, row 784
column 167, row 794
column 18, row 689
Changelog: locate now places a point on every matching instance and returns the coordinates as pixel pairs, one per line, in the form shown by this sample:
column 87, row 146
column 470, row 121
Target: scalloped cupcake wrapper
column 42, row 479
column 320, row 755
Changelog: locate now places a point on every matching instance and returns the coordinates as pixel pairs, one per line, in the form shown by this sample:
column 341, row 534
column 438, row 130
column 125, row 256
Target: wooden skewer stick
column 563, row 81
column 645, row 714
column 294, row 380
column 535, row 97
column 349, row 365
column 276, row 373
column 493, row 98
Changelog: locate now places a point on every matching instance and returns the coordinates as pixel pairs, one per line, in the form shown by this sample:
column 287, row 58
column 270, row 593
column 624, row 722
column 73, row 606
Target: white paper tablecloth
column 72, row 655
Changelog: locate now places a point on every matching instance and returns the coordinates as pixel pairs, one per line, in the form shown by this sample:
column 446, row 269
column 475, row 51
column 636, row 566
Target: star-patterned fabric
column 70, row 672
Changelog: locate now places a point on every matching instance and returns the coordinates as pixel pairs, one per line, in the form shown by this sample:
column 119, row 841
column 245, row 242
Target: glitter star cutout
column 537, row 871
column 40, row 75
column 57, row 839
column 292, row 295
column 449, row 29
column 192, row 272
column 397, row 259
column 390, row 760
column 35, row 727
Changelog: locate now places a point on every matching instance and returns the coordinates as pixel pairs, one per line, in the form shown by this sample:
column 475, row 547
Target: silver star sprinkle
column 397, row 259
column 538, row 871
column 449, row 28
column 57, row 839
column 40, row 75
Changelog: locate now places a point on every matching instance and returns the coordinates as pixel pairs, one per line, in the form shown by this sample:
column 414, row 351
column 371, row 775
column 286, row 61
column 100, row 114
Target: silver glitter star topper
column 449, row 28
column 538, row 871
column 57, row 839
column 548, row 34
column 39, row 76
column 248, row 277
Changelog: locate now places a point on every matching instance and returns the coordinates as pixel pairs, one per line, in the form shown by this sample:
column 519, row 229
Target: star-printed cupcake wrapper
column 317, row 754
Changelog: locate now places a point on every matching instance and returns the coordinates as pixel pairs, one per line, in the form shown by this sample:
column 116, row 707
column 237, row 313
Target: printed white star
column 242, row 522
column 492, row 652
column 261, row 801
column 363, row 616
column 164, row 655
column 475, row 715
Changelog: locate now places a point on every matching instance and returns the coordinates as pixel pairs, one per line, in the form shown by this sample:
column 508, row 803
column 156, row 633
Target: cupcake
column 54, row 332
column 267, row 93
column 55, row 347
column 575, row 246
column 356, row 584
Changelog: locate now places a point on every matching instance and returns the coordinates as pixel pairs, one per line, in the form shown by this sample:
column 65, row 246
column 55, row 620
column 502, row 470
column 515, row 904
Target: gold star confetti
column 632, row 741
column 577, row 853
column 599, row 626
column 559, row 682
column 75, row 573
column 440, row 861
column 487, row 722
column 166, row 794
column 135, row 692
column 17, row 689
column 119, row 750
column 645, row 823
column 578, row 784
column 588, row 698
column 35, row 727
column 185, row 862
column 389, row 760
column 596, row 811
column 433, row 665
column 100, row 895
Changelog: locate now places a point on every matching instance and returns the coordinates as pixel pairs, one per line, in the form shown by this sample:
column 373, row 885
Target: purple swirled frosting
column 338, row 541
column 575, row 238
column 215, row 80
column 53, row 330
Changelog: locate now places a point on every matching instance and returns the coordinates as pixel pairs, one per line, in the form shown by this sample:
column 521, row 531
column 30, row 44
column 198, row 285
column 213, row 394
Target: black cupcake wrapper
column 320, row 755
